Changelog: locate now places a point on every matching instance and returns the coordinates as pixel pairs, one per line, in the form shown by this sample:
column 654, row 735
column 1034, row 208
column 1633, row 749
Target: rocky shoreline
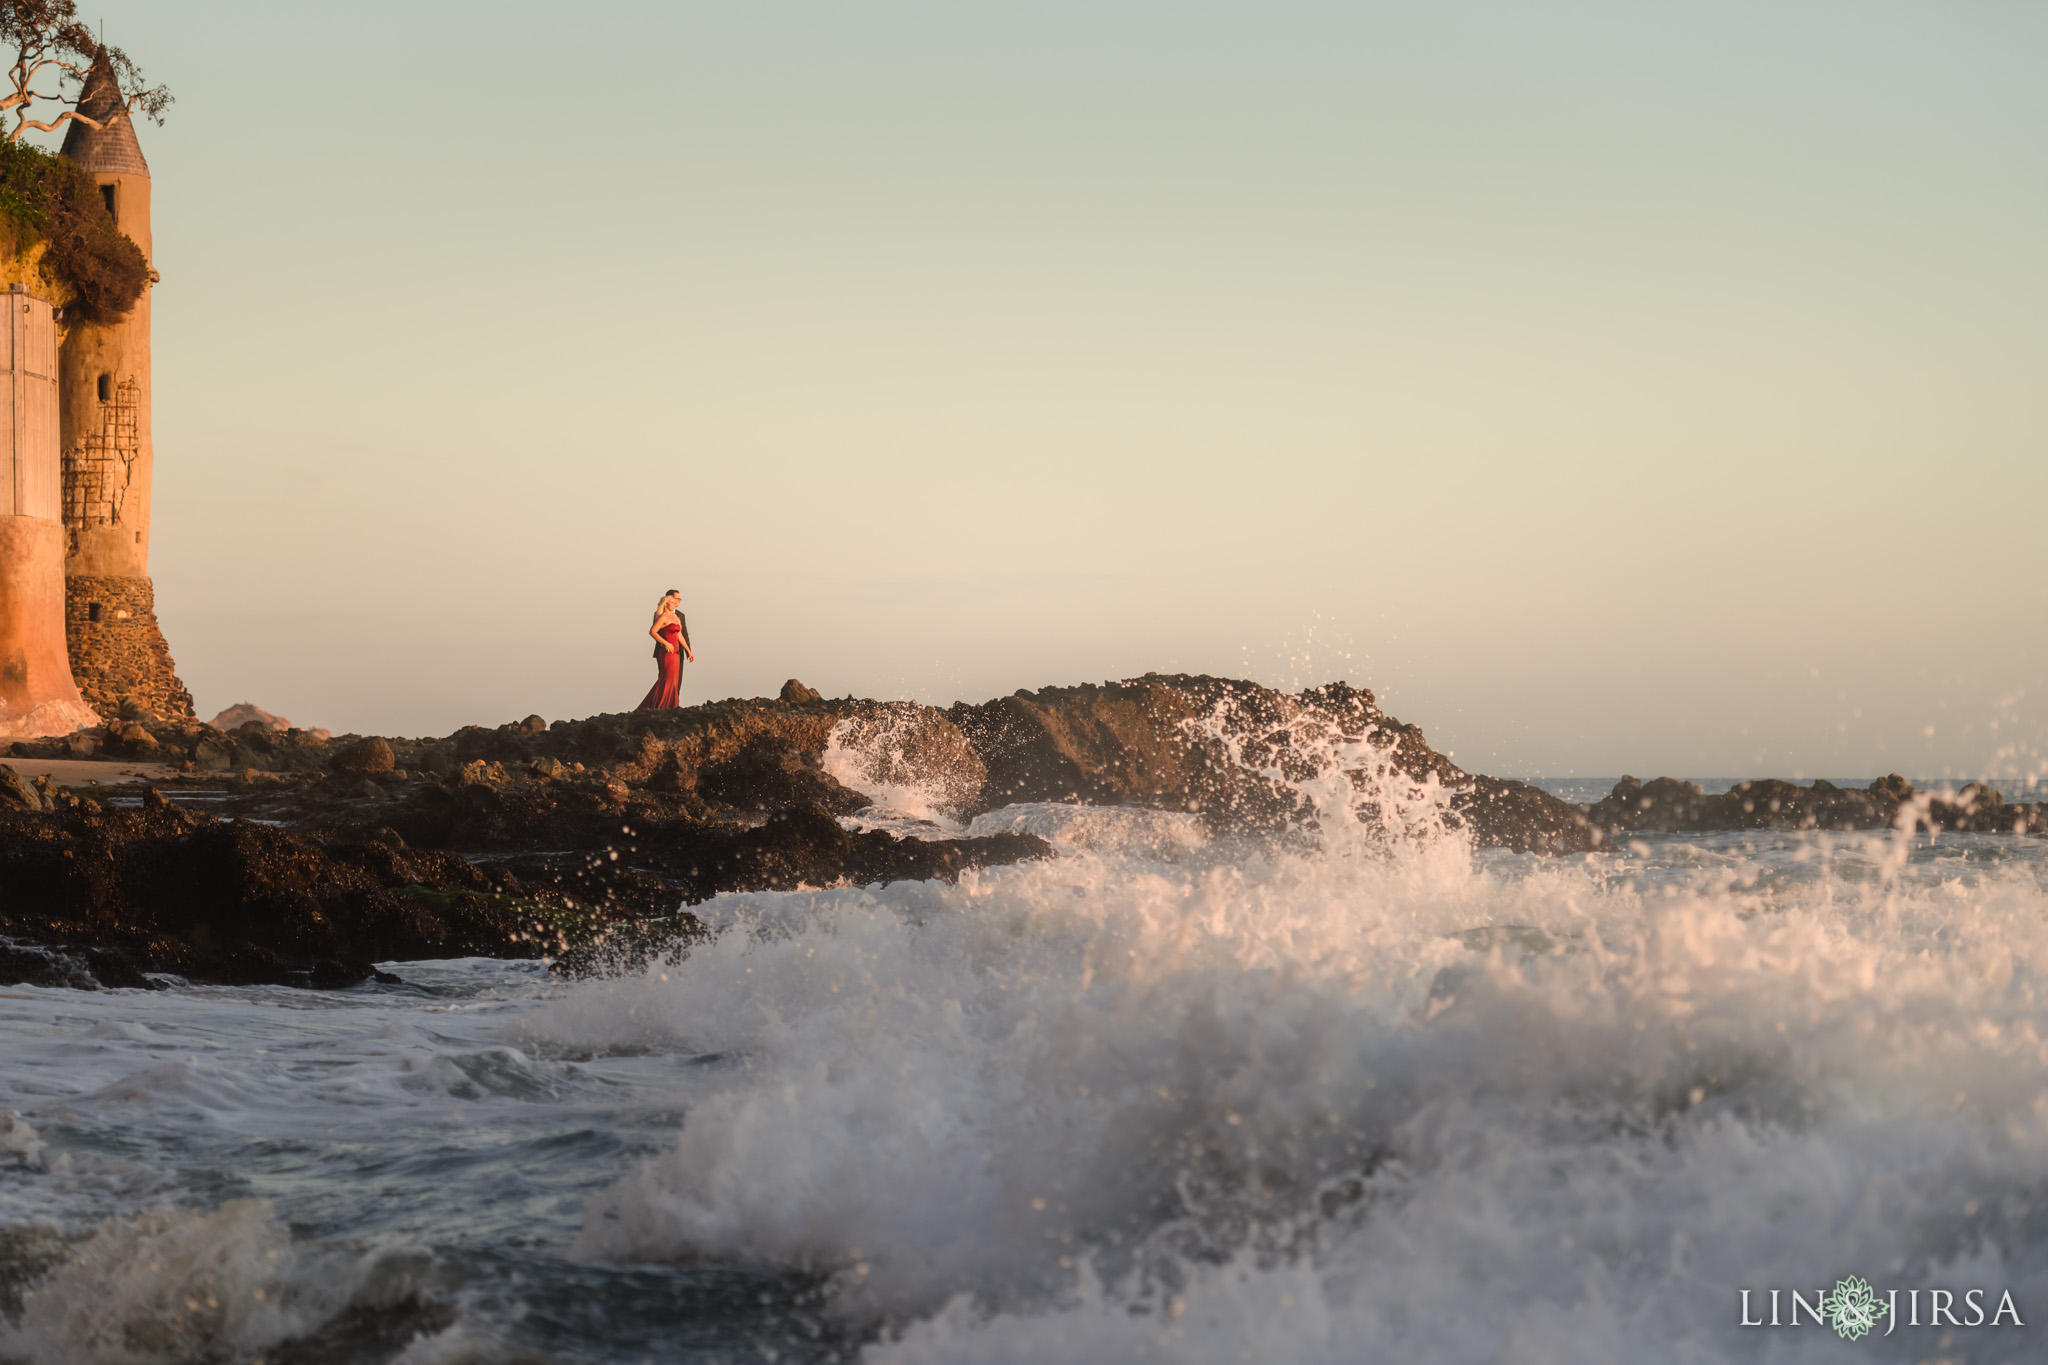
column 580, row 841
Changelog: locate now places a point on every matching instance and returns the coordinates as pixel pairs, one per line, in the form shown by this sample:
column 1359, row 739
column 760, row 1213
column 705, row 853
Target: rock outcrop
column 586, row 837
column 242, row 712
column 166, row 889
column 1235, row 753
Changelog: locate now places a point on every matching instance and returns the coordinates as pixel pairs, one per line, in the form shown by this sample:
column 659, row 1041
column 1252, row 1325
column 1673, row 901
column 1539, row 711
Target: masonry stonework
column 118, row 653
column 117, row 648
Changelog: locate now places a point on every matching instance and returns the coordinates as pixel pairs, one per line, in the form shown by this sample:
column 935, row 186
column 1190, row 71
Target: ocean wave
column 1316, row 1105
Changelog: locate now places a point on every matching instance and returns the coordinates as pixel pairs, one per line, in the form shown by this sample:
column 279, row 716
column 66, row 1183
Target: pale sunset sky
column 1649, row 385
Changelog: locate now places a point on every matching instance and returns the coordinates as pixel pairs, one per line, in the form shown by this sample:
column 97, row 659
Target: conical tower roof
column 111, row 148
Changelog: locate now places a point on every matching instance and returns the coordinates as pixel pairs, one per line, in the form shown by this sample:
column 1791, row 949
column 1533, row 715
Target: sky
column 1634, row 385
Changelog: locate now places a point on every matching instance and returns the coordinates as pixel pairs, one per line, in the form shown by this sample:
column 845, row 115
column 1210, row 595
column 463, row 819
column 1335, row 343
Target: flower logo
column 1853, row 1308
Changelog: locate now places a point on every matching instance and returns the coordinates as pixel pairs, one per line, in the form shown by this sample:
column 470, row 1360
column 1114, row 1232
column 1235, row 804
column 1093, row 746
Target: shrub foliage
column 44, row 197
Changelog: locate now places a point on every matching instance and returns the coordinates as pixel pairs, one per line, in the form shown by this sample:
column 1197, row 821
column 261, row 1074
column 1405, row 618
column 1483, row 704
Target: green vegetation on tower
column 95, row 269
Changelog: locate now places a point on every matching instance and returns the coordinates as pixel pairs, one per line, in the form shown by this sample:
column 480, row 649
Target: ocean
column 1171, row 1097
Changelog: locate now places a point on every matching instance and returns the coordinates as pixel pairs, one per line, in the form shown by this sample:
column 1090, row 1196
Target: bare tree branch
column 68, row 116
column 47, row 33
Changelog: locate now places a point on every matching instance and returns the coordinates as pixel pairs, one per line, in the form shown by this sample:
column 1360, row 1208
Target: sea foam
column 1365, row 1099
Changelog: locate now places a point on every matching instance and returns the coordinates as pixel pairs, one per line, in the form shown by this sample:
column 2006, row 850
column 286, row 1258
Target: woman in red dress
column 671, row 646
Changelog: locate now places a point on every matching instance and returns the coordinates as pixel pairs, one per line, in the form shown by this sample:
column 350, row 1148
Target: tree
column 47, row 34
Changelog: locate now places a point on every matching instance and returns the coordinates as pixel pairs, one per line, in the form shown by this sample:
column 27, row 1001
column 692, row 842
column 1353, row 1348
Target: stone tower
column 117, row 649
column 36, row 693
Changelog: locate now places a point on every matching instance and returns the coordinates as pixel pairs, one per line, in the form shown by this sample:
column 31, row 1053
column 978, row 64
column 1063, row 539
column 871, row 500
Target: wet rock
column 796, row 693
column 1503, row 813
column 369, row 755
column 212, row 755
column 1232, row 751
column 772, row 774
column 79, row 969
column 622, row 892
column 1667, row 806
column 1978, row 807
column 631, row 949
column 115, row 970
column 240, row 902
column 903, row 744
column 1153, row 741
column 23, row 964
column 806, row 846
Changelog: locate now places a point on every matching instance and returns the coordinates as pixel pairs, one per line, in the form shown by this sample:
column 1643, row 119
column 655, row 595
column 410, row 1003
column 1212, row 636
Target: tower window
column 92, row 613
column 106, row 388
column 107, row 193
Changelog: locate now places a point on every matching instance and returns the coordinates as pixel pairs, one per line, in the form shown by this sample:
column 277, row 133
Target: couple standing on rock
column 671, row 646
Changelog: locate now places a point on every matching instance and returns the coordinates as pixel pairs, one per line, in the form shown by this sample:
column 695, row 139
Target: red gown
column 668, row 685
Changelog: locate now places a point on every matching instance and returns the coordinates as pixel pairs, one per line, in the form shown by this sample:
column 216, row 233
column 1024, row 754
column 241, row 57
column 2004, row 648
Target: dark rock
column 507, row 744
column 16, row 793
column 1514, row 815
column 243, row 714
column 212, row 755
column 1233, row 751
column 903, row 744
column 114, row 970
column 241, row 902
column 631, row 949
column 132, row 740
column 482, row 774
column 370, row 755
column 24, row 964
column 533, row 725
column 671, row 774
column 796, row 693
column 1978, row 807
column 1665, row 806
column 332, row 974
column 1142, row 742
column 771, row 774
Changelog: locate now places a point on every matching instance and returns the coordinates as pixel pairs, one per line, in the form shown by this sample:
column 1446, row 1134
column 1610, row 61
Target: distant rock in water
column 795, row 693
column 243, row 713
column 1668, row 806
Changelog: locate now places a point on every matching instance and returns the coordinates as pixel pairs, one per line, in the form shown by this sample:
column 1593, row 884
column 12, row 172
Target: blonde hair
column 662, row 605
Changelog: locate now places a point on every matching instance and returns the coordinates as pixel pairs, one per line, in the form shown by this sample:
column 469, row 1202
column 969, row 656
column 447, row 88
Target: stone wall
column 117, row 648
